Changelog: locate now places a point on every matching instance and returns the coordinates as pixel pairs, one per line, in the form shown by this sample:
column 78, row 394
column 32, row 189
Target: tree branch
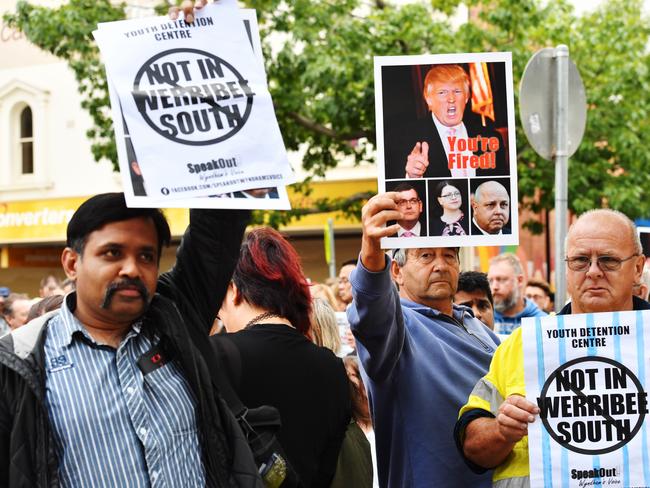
column 321, row 129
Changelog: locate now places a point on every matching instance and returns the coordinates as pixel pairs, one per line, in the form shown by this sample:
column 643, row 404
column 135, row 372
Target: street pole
column 330, row 251
column 561, row 157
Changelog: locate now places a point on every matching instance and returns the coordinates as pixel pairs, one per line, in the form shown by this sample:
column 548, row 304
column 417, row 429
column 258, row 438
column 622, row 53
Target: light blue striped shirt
column 112, row 425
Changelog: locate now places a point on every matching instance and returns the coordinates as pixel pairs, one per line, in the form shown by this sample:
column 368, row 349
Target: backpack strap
column 228, row 356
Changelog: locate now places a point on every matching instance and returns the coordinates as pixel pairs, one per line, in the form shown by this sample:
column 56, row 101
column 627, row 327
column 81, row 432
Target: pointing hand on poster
column 418, row 161
column 374, row 215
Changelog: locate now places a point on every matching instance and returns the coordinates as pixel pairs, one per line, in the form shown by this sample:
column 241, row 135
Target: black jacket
column 182, row 311
column 273, row 364
column 477, row 232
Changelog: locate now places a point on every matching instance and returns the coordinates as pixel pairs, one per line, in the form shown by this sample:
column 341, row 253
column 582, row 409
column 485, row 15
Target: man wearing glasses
column 604, row 260
column 420, row 354
column 410, row 205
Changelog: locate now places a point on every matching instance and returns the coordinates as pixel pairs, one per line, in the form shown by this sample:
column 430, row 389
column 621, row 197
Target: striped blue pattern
column 618, row 355
column 641, row 355
column 114, row 427
column 564, row 454
column 593, row 351
column 541, row 375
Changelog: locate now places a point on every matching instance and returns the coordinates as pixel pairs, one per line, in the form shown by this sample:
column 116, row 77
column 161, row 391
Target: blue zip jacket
column 419, row 366
column 506, row 325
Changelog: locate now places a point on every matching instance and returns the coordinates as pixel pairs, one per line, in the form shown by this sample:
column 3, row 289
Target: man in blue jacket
column 507, row 282
column 421, row 354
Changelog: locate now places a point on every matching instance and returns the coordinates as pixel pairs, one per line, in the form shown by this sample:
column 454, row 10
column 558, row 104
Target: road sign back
column 537, row 107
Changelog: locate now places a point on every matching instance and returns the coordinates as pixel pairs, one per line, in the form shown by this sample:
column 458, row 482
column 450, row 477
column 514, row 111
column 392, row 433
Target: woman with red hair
column 267, row 314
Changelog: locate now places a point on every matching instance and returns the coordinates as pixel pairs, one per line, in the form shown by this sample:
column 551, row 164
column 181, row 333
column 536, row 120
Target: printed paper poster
column 588, row 375
column 136, row 191
column 446, row 143
column 195, row 100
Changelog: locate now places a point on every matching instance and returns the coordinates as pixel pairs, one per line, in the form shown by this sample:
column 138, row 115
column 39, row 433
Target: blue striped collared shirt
column 112, row 425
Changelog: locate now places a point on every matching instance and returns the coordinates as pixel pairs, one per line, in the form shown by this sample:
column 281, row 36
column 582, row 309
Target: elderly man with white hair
column 604, row 261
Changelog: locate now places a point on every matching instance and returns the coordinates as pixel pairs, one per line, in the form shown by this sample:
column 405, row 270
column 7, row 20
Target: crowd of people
column 135, row 374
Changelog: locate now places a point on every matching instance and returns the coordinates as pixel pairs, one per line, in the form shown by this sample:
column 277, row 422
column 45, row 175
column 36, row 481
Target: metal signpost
column 553, row 111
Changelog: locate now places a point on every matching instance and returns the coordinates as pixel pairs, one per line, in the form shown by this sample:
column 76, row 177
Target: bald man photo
column 490, row 209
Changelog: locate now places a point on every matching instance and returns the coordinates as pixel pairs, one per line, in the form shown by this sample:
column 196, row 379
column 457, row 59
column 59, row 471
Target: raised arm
column 375, row 214
column 375, row 315
column 205, row 261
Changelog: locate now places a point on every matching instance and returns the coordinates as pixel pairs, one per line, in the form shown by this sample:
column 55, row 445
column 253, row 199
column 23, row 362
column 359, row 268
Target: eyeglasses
column 411, row 201
column 605, row 263
column 454, row 194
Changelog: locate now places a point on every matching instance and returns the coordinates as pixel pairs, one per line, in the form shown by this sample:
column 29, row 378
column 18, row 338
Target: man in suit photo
column 490, row 209
column 411, row 206
column 446, row 131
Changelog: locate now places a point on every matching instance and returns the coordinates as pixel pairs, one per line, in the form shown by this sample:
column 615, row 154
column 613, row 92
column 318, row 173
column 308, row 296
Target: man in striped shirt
column 114, row 389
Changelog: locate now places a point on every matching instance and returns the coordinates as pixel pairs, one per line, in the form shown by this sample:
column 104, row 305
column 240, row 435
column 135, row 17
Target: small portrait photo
column 491, row 206
column 257, row 193
column 448, row 207
column 412, row 204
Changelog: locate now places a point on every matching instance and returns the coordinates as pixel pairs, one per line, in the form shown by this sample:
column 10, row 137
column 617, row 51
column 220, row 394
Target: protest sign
column 135, row 190
column 446, row 143
column 195, row 101
column 587, row 374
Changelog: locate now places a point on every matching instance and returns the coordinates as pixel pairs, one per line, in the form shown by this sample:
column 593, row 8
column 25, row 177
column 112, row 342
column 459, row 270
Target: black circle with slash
column 192, row 97
column 592, row 410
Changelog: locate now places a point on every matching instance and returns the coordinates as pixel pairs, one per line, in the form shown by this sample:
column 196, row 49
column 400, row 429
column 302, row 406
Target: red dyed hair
column 269, row 275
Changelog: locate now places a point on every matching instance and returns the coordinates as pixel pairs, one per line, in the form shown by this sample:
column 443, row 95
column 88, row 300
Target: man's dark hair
column 541, row 284
column 470, row 281
column 46, row 279
column 404, row 186
column 352, row 262
column 9, row 303
column 106, row 208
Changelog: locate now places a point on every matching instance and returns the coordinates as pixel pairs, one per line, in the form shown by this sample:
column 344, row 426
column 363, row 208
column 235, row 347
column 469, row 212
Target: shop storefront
column 32, row 235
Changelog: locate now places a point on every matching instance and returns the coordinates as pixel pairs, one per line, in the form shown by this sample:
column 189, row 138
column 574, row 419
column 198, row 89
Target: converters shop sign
column 196, row 104
column 587, row 374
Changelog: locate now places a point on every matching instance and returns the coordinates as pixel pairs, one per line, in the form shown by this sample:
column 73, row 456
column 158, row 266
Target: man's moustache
column 122, row 285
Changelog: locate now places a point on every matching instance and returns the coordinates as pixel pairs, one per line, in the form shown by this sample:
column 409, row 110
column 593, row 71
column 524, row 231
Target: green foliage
column 319, row 59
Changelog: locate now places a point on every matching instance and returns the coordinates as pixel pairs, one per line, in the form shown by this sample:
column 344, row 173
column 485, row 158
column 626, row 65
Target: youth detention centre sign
column 194, row 105
column 587, row 374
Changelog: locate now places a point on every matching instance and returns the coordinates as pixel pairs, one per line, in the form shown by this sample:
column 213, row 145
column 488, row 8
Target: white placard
column 135, row 191
column 588, row 374
column 195, row 100
column 466, row 148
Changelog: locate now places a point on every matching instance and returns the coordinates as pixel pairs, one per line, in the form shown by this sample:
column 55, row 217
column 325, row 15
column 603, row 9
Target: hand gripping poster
column 588, row 375
column 196, row 104
column 446, row 145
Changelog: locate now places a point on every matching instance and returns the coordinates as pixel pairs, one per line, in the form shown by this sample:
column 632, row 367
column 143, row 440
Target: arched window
column 26, row 142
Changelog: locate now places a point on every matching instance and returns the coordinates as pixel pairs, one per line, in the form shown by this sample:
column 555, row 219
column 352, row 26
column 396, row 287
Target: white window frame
column 15, row 96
